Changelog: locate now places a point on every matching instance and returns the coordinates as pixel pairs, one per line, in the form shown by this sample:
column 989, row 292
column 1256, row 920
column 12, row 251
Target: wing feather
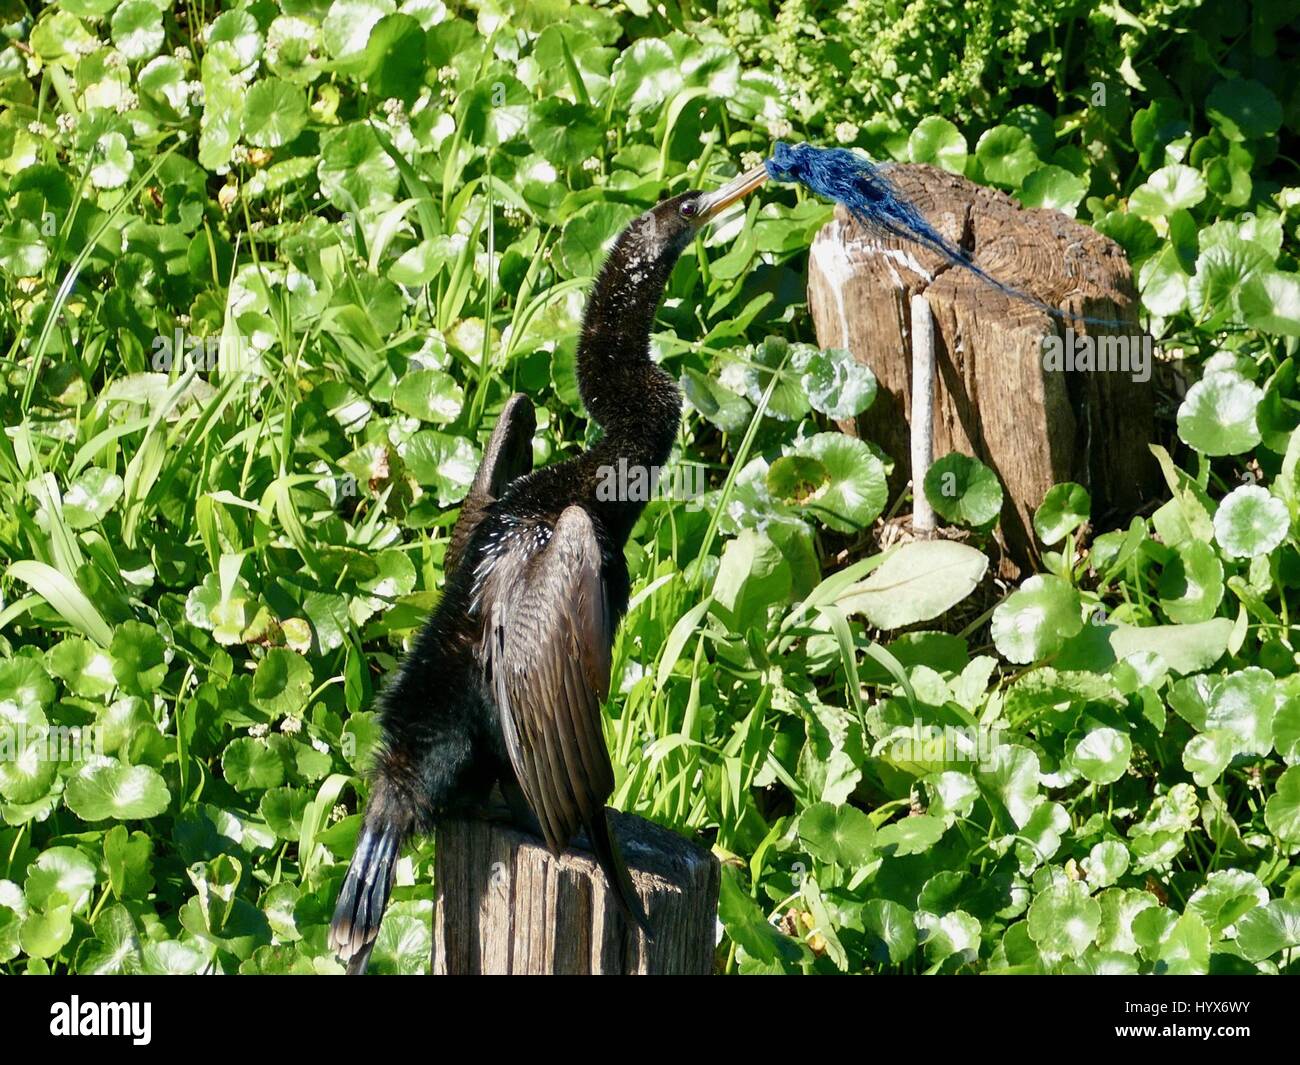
column 548, row 656
column 508, row 455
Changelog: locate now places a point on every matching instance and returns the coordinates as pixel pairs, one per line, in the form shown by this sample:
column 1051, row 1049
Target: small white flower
column 846, row 132
column 259, row 730
column 320, row 746
column 291, row 726
column 779, row 128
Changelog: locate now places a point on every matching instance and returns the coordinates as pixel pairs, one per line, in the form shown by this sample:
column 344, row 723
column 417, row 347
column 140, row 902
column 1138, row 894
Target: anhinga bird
column 505, row 682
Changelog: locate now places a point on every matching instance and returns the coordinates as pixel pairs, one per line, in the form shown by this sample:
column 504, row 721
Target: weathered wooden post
column 506, row 905
column 996, row 395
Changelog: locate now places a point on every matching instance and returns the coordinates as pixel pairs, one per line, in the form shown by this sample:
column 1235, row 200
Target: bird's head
column 660, row 235
column 630, row 398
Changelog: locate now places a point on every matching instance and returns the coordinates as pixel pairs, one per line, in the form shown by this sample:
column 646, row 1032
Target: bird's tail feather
column 610, row 859
column 364, row 894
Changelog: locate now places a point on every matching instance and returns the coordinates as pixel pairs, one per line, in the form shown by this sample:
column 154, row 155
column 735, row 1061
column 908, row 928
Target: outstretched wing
column 509, row 454
column 547, row 652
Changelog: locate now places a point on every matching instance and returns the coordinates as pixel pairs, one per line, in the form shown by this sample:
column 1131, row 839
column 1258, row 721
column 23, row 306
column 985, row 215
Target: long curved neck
column 636, row 404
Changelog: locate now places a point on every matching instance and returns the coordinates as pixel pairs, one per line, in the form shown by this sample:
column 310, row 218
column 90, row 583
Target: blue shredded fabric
column 872, row 199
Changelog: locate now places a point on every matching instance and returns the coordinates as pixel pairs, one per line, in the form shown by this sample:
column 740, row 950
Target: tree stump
column 506, row 905
column 994, row 398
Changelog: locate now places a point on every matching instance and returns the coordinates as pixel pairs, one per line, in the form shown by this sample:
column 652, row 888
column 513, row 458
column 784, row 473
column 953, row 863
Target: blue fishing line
column 873, row 200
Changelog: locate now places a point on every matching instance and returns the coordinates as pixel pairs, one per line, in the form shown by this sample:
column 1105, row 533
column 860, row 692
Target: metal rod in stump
column 999, row 393
column 506, row 905
column 922, row 413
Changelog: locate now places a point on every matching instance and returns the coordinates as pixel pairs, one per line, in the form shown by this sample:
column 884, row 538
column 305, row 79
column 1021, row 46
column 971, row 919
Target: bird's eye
column 689, row 209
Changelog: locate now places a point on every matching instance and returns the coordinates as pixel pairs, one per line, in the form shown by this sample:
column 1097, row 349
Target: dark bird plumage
column 506, row 680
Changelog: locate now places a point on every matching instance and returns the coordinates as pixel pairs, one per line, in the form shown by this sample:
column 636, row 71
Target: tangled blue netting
column 873, row 200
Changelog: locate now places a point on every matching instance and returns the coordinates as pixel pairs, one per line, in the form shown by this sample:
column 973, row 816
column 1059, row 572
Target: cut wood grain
column 506, row 905
column 994, row 399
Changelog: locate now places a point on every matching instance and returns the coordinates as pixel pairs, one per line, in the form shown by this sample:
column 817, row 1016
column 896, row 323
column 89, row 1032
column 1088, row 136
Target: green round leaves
column 60, row 872
column 836, row 479
column 563, row 132
column 91, row 496
column 1102, row 756
column 645, row 75
column 112, row 162
column 359, row 227
column 138, row 30
column 938, row 142
column 1064, row 919
column 274, row 113
column 964, row 491
column 1282, row 811
column 1241, row 705
column 588, row 236
column 836, row 384
column 235, row 39
column 1053, row 187
column 1217, row 416
column 250, row 765
column 114, row 790
column 837, row 835
column 1172, row 188
column 348, row 23
column 430, row 395
column 1036, row 620
column 1006, row 155
column 1250, row 522
column 1065, row 507
column 354, row 169
column 1266, row 930
column 1243, row 109
column 1107, row 862
column 1207, row 755
column 1191, row 583
column 282, row 682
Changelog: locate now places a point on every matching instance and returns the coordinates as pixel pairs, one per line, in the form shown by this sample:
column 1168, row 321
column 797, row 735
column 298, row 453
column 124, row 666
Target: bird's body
column 505, row 682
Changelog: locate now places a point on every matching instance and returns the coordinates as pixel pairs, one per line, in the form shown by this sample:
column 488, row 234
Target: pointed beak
column 714, row 203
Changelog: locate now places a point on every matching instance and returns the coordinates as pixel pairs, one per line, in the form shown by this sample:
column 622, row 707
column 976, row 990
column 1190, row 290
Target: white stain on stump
column 993, row 397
